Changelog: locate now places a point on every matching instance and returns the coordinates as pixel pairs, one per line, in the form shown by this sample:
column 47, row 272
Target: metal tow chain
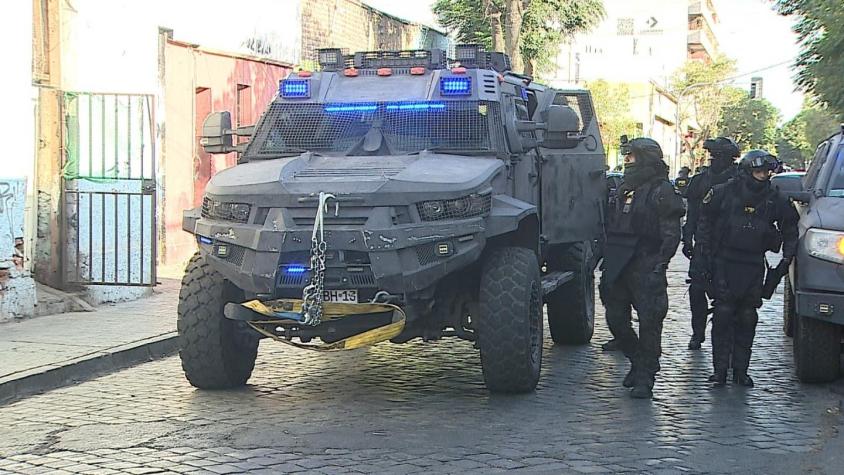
column 312, row 294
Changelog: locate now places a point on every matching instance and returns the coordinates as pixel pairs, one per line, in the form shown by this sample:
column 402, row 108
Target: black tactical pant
column 733, row 329
column 639, row 288
column 738, row 290
column 699, row 305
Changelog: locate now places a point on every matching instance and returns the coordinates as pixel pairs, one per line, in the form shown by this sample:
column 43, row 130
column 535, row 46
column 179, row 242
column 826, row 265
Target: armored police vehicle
column 395, row 195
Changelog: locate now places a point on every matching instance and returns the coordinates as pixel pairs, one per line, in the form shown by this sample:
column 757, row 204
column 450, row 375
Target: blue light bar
column 295, row 269
column 352, row 108
column 456, row 86
column 416, row 106
column 295, row 88
column 204, row 240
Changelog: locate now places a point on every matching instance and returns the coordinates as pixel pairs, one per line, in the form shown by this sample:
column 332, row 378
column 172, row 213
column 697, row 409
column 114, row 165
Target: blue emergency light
column 351, row 108
column 415, row 106
column 295, row 269
column 456, row 86
column 295, row 88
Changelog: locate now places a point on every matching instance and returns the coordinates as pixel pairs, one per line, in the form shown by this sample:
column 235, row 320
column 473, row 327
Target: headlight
column 826, row 245
column 237, row 212
column 467, row 206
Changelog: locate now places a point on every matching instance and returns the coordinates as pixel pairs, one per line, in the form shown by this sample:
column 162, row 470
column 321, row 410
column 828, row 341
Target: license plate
column 340, row 296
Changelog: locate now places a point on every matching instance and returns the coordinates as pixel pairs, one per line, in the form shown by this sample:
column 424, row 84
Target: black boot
column 719, row 379
column 643, row 386
column 612, row 345
column 742, row 378
column 694, row 344
column 630, row 379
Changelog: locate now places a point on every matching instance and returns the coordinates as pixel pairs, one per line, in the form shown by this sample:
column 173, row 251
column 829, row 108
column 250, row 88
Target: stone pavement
column 422, row 407
column 46, row 352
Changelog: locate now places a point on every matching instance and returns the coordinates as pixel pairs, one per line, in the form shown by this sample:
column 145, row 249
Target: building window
column 625, row 27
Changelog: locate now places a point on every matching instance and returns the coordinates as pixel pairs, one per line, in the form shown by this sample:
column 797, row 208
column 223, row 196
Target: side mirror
column 217, row 133
column 804, row 197
column 562, row 127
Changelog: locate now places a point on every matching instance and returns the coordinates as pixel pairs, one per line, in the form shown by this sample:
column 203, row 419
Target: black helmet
column 645, row 149
column 721, row 147
column 758, row 159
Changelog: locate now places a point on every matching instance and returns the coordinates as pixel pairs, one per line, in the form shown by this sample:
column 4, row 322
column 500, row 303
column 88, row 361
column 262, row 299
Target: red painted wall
column 196, row 83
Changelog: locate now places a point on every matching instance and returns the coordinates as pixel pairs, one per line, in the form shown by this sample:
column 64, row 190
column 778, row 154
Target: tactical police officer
column 643, row 231
column 682, row 180
column 722, row 152
column 740, row 221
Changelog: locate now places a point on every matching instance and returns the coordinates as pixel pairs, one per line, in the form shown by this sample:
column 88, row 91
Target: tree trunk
column 530, row 67
column 494, row 15
column 513, row 13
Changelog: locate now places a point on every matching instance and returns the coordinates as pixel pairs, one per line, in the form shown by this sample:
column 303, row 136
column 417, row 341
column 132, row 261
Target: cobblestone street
column 422, row 407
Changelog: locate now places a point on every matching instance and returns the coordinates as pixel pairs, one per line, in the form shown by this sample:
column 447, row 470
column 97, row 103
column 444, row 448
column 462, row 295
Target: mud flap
column 290, row 310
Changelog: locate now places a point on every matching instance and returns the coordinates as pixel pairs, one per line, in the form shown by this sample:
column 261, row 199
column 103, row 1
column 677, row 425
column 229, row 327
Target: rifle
column 773, row 276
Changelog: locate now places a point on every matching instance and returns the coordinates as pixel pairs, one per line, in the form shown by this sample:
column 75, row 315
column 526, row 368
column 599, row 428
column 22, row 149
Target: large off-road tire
column 509, row 323
column 571, row 308
column 788, row 310
column 216, row 352
column 817, row 350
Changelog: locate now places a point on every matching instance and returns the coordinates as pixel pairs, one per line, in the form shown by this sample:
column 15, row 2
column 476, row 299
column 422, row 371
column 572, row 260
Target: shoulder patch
column 708, row 197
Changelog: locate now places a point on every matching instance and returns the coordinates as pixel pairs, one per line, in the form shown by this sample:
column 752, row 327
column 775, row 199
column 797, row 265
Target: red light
column 350, row 72
column 385, row 72
column 417, row 71
column 458, row 70
column 305, row 74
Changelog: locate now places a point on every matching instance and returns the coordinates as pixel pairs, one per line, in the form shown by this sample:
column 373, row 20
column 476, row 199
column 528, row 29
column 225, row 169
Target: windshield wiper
column 291, row 152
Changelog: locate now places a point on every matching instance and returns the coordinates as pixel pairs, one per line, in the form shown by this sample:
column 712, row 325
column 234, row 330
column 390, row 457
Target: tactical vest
column 634, row 214
column 748, row 227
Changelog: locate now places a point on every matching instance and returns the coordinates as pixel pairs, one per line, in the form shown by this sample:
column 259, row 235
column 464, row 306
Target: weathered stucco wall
column 17, row 288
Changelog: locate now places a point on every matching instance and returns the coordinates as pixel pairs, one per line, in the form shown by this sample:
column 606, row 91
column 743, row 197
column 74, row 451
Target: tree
column 752, row 123
column 529, row 31
column 798, row 138
column 819, row 25
column 612, row 107
column 699, row 88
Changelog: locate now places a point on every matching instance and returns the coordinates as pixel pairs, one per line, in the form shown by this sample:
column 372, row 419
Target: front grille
column 426, row 254
column 335, row 278
column 234, row 212
column 235, row 255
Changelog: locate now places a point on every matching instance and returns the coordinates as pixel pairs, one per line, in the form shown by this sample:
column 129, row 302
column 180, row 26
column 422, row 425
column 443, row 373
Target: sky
column 750, row 32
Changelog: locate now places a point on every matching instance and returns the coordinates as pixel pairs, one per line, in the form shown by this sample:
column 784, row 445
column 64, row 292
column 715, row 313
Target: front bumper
column 399, row 259
column 826, row 306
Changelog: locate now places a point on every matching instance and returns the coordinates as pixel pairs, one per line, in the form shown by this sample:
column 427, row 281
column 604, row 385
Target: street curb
column 87, row 367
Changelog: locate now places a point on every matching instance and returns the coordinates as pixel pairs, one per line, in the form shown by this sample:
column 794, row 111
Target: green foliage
column 798, row 138
column 546, row 24
column 702, row 96
column 466, row 19
column 752, row 123
column 819, row 25
column 612, row 107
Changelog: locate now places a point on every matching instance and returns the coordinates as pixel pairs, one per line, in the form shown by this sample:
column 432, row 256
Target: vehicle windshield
column 403, row 127
column 836, row 179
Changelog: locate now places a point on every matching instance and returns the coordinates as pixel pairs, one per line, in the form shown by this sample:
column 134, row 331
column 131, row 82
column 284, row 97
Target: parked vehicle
column 399, row 194
column 813, row 300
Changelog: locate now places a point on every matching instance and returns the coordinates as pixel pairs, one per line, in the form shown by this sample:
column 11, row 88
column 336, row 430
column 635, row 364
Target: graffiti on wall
column 12, row 200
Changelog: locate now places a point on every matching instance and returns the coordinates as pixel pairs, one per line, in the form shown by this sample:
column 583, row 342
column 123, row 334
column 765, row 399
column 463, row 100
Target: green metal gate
column 109, row 189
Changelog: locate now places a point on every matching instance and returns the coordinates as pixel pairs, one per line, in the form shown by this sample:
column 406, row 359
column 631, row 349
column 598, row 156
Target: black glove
column 688, row 250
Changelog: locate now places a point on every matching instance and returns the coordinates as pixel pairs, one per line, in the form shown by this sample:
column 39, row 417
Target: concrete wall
column 197, row 82
column 17, row 288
